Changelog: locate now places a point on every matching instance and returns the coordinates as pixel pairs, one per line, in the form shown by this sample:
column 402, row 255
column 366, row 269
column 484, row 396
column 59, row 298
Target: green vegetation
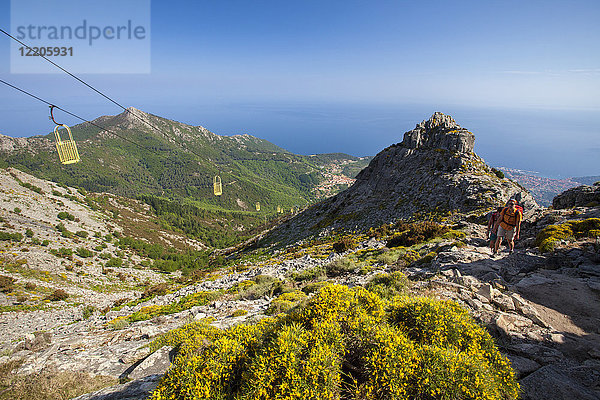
column 170, row 259
column 389, row 285
column 31, row 187
column 58, row 295
column 343, row 344
column 85, row 253
column 285, row 302
column 15, row 237
column 416, row 232
column 29, row 233
column 181, row 173
column 498, row 173
column 548, row 237
column 344, row 244
column 63, row 215
column 7, row 284
column 62, row 252
column 340, row 266
column 185, row 303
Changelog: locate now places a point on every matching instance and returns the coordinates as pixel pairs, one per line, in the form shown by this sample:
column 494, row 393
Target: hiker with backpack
column 508, row 225
column 492, row 228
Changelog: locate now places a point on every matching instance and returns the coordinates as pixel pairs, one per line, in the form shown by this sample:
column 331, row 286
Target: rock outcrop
column 580, row 196
column 432, row 171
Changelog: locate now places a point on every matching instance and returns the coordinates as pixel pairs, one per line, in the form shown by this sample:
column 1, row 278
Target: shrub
column 82, row 234
column 185, row 303
column 45, row 242
column 498, row 173
column 28, row 233
column 314, row 287
column 62, row 252
column 314, row 273
column 263, row 286
column 340, row 266
column 30, row 286
column 88, row 311
column 414, row 233
column 17, row 210
column 155, row 290
column 57, row 295
column 31, row 187
column 114, row 263
column 239, row 313
column 285, row 302
column 548, row 237
column 344, row 244
column 343, row 344
column 15, row 237
column 85, row 253
column 7, row 284
column 65, row 215
column 389, row 285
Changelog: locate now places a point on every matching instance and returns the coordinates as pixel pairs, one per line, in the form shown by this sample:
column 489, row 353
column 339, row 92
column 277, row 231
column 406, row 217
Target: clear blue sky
column 352, row 76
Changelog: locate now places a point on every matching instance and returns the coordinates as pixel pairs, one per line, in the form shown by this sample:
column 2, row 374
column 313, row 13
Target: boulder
column 579, row 196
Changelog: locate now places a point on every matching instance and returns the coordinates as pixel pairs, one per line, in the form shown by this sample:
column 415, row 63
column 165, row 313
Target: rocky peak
column 433, row 172
column 440, row 132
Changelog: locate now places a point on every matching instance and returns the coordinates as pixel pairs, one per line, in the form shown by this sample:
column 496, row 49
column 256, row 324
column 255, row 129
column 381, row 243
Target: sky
column 337, row 76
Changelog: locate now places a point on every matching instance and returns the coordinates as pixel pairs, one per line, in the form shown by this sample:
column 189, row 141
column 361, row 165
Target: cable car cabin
column 217, row 186
column 67, row 150
column 257, row 206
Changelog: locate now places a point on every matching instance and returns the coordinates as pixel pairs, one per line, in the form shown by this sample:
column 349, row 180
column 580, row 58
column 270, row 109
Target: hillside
column 171, row 166
column 112, row 321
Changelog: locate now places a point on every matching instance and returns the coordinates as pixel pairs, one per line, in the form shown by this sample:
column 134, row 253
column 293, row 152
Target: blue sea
column 554, row 143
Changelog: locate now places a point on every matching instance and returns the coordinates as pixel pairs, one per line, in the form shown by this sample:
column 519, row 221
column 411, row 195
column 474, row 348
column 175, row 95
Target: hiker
column 508, row 225
column 492, row 229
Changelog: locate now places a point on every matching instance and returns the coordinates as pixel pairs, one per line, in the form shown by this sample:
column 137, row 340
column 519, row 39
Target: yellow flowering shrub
column 550, row 235
column 285, row 302
column 343, row 344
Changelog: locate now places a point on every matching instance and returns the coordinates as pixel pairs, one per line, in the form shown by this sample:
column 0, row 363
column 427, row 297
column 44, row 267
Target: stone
column 136, row 390
column 538, row 352
column 155, row 364
column 486, row 290
column 523, row 366
column 577, row 197
column 504, row 302
column 553, row 382
column 592, row 270
column 469, row 282
column 533, row 280
column 512, row 322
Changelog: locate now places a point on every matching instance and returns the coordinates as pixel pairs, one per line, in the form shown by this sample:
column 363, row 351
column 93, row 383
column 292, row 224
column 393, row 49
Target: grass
column 48, row 384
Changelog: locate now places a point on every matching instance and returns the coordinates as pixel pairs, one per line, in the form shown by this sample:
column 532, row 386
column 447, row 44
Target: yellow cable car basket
column 257, row 206
column 217, row 186
column 67, row 150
